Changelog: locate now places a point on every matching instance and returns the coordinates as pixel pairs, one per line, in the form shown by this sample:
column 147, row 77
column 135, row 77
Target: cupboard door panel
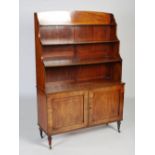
column 105, row 104
column 68, row 111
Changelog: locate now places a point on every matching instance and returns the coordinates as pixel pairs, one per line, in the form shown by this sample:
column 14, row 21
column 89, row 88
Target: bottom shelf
column 55, row 87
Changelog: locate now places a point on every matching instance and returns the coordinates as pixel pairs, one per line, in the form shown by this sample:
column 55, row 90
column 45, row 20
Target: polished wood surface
column 69, row 111
column 78, row 71
column 69, row 62
column 55, row 87
column 42, row 110
column 54, row 35
column 105, row 104
column 40, row 76
column 75, row 18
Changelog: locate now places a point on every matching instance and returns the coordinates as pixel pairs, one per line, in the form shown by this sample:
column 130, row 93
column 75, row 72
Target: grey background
column 97, row 140
column 124, row 14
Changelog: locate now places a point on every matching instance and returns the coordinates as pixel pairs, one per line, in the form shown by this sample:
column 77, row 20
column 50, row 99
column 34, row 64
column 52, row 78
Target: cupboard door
column 67, row 111
column 106, row 104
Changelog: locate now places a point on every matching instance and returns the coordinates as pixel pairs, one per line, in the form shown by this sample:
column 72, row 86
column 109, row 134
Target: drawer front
column 67, row 111
column 106, row 104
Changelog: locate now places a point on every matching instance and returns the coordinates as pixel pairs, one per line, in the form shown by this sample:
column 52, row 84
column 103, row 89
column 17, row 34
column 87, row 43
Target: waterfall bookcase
column 78, row 71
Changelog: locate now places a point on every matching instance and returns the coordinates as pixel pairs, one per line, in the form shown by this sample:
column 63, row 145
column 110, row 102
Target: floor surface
column 101, row 140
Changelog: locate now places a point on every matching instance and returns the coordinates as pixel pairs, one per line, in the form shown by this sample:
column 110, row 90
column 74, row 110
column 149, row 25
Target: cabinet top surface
column 57, row 87
column 75, row 18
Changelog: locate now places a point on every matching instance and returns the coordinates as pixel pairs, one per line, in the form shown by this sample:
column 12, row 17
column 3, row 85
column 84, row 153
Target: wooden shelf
column 69, row 62
column 51, row 42
column 55, row 87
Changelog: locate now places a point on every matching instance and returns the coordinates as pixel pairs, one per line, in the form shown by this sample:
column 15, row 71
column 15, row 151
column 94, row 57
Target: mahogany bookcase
column 78, row 71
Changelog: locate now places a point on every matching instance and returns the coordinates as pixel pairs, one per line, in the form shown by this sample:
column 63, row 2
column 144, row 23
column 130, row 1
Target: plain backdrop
column 145, row 63
column 123, row 11
column 101, row 140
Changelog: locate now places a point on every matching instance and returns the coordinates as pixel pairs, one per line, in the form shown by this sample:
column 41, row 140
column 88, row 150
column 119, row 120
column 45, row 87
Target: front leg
column 41, row 132
column 118, row 126
column 50, row 142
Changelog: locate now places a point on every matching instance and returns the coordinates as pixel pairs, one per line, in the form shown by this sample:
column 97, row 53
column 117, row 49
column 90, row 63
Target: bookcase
column 78, row 71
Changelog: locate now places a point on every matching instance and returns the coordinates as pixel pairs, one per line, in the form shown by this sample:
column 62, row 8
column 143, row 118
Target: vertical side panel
column 117, row 71
column 42, row 110
column 121, row 102
column 40, row 73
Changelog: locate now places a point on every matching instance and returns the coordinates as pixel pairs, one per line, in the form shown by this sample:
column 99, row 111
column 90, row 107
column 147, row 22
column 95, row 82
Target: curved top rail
column 75, row 18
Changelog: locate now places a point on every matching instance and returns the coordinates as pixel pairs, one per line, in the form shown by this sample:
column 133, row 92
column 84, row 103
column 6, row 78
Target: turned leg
column 41, row 132
column 50, row 141
column 118, row 126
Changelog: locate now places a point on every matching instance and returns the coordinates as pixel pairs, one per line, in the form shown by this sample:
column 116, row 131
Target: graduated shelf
column 55, row 87
column 47, row 42
column 71, row 62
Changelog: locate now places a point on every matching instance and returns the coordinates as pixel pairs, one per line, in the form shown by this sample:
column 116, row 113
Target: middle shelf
column 73, row 62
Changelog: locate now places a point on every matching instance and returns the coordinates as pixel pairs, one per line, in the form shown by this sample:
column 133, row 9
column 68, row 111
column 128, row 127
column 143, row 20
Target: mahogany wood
column 78, row 71
column 75, row 18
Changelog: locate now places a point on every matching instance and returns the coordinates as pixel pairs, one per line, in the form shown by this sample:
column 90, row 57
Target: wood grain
column 69, row 111
column 75, row 18
column 104, row 104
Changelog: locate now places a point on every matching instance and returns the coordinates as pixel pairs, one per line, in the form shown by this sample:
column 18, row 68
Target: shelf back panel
column 51, row 35
column 96, row 51
column 82, row 52
column 84, row 73
column 53, row 52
